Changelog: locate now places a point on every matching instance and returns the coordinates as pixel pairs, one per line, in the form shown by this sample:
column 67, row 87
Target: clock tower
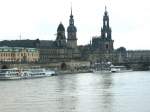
column 71, row 33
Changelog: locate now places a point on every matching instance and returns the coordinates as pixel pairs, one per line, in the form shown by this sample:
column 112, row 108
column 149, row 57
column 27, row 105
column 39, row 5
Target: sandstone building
column 18, row 55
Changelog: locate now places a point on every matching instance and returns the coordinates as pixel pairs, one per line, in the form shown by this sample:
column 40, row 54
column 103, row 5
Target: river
column 86, row 92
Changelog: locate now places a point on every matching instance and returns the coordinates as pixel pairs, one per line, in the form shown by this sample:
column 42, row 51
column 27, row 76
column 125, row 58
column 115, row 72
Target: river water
column 87, row 92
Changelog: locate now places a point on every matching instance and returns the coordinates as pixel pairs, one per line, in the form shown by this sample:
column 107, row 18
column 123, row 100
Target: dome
column 121, row 49
column 71, row 28
column 61, row 27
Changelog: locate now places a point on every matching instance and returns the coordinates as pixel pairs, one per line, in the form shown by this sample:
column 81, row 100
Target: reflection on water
column 120, row 92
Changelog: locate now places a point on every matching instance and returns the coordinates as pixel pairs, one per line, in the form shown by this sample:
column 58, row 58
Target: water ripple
column 78, row 93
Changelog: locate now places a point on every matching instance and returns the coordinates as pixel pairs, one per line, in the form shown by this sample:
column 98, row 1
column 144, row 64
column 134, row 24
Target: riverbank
column 60, row 72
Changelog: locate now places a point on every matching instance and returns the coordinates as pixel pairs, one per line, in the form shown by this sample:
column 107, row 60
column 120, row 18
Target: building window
column 107, row 46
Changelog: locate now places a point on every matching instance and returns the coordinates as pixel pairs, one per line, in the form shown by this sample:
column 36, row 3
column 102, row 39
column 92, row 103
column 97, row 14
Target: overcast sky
column 129, row 20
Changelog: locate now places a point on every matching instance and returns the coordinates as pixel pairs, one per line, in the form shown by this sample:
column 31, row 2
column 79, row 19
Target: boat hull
column 22, row 77
column 15, row 74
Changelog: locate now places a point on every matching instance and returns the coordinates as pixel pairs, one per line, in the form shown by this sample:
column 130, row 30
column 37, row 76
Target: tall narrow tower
column 71, row 33
column 107, row 44
column 106, row 30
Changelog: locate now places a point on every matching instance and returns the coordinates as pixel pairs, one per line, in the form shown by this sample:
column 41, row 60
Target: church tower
column 106, row 30
column 104, row 43
column 106, row 33
column 61, row 38
column 71, row 33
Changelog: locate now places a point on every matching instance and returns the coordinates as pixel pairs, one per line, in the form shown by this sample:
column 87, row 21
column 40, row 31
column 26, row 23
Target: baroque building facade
column 18, row 55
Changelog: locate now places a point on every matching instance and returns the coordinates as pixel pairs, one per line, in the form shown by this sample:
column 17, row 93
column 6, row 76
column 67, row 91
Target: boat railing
column 20, row 71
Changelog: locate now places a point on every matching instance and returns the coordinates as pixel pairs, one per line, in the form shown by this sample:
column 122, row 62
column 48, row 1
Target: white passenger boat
column 15, row 73
column 119, row 69
column 41, row 72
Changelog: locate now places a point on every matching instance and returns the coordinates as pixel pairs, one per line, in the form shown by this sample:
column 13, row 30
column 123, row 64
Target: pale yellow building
column 18, row 54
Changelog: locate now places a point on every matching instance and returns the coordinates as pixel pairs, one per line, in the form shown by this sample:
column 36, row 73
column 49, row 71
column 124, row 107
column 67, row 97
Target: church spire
column 106, row 30
column 71, row 10
column 105, row 19
column 105, row 13
column 71, row 21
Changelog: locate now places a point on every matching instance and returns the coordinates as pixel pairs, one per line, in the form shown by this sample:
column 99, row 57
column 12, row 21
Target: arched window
column 105, row 23
column 106, row 34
